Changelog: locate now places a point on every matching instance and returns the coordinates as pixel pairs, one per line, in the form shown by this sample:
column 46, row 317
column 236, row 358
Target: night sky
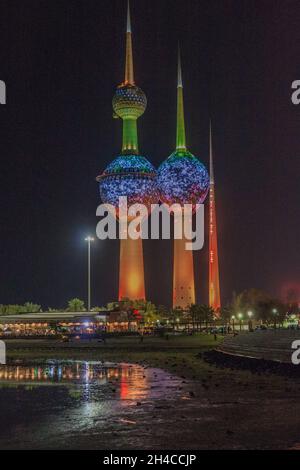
column 61, row 61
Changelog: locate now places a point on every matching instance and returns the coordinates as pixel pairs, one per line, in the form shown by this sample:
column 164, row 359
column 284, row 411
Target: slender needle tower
column 214, row 281
column 130, row 175
column 182, row 179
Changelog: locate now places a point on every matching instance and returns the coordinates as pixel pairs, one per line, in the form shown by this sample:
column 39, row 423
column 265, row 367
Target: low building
column 51, row 324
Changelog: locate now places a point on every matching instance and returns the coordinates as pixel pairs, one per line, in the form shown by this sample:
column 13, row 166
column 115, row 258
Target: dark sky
column 61, row 61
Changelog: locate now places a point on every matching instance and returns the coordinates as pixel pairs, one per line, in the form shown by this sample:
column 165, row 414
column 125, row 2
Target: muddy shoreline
column 225, row 407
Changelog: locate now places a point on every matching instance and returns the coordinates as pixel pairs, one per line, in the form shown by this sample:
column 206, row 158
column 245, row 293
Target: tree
column 252, row 300
column 31, row 307
column 206, row 313
column 194, row 313
column 262, row 305
column 98, row 309
column 76, row 305
column 176, row 315
column 28, row 307
column 149, row 312
column 163, row 312
column 226, row 314
column 293, row 308
column 272, row 311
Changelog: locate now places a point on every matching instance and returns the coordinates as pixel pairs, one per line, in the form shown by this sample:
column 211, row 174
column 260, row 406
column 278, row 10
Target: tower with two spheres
column 180, row 179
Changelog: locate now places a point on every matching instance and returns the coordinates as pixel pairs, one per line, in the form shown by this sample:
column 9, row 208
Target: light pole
column 89, row 240
column 240, row 315
column 275, row 311
column 250, row 315
column 233, row 318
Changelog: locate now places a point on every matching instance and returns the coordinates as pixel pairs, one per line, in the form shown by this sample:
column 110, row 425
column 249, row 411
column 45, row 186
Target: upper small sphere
column 182, row 179
column 129, row 102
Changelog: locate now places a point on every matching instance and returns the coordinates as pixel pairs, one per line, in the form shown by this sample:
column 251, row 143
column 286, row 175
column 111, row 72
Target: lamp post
column 233, row 318
column 89, row 240
column 240, row 315
column 275, row 311
column 250, row 315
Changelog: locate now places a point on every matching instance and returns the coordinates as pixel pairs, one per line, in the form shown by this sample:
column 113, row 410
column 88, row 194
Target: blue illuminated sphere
column 132, row 176
column 182, row 179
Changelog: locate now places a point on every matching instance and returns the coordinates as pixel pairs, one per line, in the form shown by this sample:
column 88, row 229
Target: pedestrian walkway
column 272, row 345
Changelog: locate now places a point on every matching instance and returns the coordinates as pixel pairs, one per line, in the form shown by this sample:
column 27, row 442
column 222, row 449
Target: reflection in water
column 132, row 382
column 76, row 404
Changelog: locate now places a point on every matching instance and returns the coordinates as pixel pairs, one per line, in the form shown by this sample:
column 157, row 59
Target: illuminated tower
column 182, row 179
column 214, row 281
column 130, row 175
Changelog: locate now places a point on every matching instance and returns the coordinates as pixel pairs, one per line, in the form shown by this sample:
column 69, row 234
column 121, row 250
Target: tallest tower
column 130, row 175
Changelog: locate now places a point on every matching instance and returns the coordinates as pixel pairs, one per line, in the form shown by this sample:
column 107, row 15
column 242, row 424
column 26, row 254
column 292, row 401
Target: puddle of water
column 54, row 404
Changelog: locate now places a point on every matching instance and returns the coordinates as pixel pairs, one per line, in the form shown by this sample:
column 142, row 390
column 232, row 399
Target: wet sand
column 207, row 407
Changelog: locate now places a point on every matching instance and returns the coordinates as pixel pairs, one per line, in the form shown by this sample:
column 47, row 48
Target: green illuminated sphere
column 129, row 102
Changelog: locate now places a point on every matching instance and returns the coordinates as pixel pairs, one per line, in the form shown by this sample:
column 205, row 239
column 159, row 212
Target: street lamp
column 275, row 311
column 250, row 315
column 89, row 240
column 233, row 318
column 240, row 316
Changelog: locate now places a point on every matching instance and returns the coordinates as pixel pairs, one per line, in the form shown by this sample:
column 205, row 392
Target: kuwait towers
column 182, row 179
column 130, row 175
column 214, row 281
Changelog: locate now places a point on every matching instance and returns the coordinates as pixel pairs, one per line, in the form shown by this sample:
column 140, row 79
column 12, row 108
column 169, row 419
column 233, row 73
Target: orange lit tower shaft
column 131, row 275
column 214, row 281
column 183, row 267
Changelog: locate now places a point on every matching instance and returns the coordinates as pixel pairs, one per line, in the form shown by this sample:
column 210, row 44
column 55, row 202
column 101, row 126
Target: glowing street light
column 233, row 318
column 240, row 317
column 275, row 311
column 250, row 315
column 89, row 240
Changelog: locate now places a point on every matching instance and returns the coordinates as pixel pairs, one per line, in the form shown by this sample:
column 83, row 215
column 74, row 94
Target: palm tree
column 226, row 314
column 206, row 314
column 75, row 305
column 176, row 314
column 194, row 313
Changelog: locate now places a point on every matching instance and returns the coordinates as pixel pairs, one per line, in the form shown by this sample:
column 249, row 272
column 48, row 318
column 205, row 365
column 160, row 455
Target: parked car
column 261, row 327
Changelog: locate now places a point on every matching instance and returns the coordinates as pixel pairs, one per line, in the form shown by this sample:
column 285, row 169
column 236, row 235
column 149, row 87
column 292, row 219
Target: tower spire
column 211, row 164
column 129, row 75
column 214, row 279
column 180, row 137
